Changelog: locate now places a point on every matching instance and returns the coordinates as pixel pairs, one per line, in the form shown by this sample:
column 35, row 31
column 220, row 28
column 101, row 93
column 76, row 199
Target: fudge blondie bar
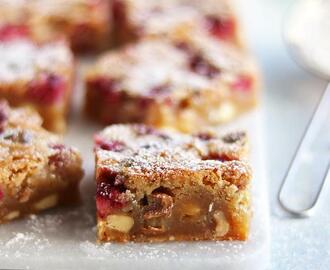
column 181, row 82
column 156, row 185
column 36, row 74
column 37, row 170
column 85, row 23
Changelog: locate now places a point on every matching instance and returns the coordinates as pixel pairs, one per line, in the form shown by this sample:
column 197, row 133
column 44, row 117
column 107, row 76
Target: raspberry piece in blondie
column 134, row 19
column 37, row 170
column 85, row 23
column 182, row 82
column 40, row 75
column 13, row 19
column 165, row 186
column 12, row 31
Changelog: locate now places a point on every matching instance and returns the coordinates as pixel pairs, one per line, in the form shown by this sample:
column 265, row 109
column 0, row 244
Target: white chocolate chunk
column 226, row 112
column 11, row 215
column 222, row 227
column 120, row 223
column 46, row 202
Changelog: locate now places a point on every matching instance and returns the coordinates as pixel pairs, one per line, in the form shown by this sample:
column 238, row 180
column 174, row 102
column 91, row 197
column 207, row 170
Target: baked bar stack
column 183, row 82
column 156, row 185
column 37, row 170
column 36, row 74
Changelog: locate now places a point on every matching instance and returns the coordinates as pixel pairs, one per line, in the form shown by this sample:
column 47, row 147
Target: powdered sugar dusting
column 24, row 242
column 161, row 151
column 139, row 69
column 22, row 60
column 158, row 251
column 160, row 16
column 44, row 223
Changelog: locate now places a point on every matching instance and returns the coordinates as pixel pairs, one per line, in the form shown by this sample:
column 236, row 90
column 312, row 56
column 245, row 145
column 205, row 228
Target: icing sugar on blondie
column 21, row 59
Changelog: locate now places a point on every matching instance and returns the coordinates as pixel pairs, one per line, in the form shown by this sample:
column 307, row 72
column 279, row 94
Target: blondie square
column 36, row 74
column 85, row 23
column 183, row 82
column 157, row 185
column 134, row 19
column 37, row 171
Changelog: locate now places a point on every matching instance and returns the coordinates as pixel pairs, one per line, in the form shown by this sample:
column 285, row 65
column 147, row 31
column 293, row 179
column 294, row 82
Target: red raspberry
column 217, row 156
column 202, row 67
column 110, row 192
column 108, row 89
column 220, row 28
column 145, row 102
column 119, row 12
column 47, row 89
column 9, row 32
column 113, row 145
column 197, row 63
column 60, row 156
column 109, row 198
column 243, row 83
column 205, row 136
column 108, row 176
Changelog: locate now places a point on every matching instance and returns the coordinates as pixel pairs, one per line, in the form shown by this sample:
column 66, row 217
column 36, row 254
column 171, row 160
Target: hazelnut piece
column 120, row 223
column 222, row 225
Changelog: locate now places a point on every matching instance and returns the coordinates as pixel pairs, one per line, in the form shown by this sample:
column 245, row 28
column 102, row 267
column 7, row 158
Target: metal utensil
column 307, row 36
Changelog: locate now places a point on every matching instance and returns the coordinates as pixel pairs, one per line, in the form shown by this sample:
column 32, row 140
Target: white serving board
column 65, row 238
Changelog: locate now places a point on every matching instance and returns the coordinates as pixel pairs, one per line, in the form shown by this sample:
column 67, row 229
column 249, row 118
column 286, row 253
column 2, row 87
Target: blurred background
column 290, row 96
